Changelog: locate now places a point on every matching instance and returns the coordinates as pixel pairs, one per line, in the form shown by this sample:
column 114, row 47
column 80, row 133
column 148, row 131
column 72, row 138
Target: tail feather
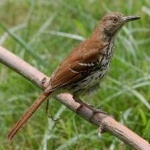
column 27, row 114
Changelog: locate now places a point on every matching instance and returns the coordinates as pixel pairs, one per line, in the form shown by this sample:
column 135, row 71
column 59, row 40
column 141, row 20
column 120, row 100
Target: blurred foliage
column 42, row 32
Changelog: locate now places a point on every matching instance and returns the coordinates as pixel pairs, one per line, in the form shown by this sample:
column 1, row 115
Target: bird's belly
column 90, row 83
column 93, row 78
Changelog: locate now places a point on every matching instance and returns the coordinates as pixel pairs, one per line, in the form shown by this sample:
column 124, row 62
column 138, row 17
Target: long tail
column 28, row 114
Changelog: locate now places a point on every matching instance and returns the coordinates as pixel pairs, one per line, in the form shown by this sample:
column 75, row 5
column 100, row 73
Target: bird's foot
column 96, row 111
column 48, row 113
column 53, row 119
column 103, row 116
column 78, row 100
column 78, row 109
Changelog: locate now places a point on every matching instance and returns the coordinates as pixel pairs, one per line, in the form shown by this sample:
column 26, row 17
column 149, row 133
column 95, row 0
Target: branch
column 105, row 122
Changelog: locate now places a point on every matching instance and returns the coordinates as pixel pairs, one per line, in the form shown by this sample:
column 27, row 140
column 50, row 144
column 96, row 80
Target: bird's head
column 112, row 22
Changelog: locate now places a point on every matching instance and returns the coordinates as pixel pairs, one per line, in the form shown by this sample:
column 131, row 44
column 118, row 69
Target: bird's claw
column 95, row 111
column 77, row 110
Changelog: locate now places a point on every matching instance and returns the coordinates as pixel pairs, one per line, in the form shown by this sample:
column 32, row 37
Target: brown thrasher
column 84, row 68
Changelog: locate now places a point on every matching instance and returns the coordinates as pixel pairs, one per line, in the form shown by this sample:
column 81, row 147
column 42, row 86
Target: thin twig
column 106, row 122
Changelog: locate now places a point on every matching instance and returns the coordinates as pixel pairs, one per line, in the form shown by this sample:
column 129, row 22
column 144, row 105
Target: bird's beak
column 130, row 18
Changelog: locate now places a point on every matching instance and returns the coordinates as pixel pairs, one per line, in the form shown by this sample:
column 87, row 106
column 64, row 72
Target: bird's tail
column 28, row 114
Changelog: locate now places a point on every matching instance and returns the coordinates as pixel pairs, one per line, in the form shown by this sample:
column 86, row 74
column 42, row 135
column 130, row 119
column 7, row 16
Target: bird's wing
column 76, row 67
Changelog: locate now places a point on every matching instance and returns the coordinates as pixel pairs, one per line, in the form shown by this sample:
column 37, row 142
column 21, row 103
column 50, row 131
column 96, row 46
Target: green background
column 43, row 32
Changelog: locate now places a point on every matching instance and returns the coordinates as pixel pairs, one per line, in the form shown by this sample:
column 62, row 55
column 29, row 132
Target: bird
column 84, row 68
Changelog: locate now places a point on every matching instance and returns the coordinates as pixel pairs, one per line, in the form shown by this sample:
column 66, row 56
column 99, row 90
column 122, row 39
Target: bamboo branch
column 105, row 122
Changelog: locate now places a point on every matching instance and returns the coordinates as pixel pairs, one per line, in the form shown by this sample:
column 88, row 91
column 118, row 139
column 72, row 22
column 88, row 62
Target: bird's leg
column 47, row 108
column 78, row 100
column 47, row 102
column 49, row 114
column 47, row 111
column 94, row 110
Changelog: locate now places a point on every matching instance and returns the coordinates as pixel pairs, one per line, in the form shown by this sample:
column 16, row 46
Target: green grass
column 43, row 33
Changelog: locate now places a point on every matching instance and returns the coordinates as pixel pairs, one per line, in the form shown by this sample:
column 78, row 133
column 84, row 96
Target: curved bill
column 130, row 18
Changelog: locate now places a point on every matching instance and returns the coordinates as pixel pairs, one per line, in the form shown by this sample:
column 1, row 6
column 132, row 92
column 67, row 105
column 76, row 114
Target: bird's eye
column 114, row 20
